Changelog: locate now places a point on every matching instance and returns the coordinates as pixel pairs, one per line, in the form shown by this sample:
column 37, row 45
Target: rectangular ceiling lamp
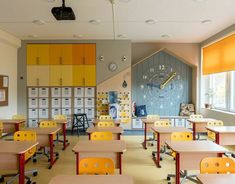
column 219, row 56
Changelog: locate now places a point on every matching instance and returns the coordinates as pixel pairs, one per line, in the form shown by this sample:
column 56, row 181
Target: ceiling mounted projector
column 63, row 13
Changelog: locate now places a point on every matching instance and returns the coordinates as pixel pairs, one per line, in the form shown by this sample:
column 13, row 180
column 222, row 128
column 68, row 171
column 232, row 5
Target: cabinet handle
column 83, row 81
column 61, row 60
column 37, row 81
column 37, row 60
column 61, row 81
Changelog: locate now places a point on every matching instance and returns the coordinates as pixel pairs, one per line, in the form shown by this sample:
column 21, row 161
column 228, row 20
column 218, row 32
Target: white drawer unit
column 78, row 92
column 43, row 113
column 89, row 92
column 33, row 92
column 90, row 112
column 66, row 92
column 78, row 110
column 33, row 103
column 55, row 112
column 66, row 102
column 43, row 92
column 33, row 123
column 56, row 102
column 78, row 102
column 33, row 113
column 43, row 102
column 90, row 102
column 56, row 92
column 66, row 112
column 180, row 122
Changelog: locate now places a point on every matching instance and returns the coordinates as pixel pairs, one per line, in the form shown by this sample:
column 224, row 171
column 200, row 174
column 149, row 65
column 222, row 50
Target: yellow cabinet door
column 37, row 54
column 78, row 75
column 67, row 75
column 61, row 54
column 55, row 75
column 90, row 75
column 90, row 54
column 43, row 74
column 32, row 75
column 78, row 54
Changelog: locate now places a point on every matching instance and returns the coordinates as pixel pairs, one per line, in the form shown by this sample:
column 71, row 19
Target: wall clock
column 112, row 67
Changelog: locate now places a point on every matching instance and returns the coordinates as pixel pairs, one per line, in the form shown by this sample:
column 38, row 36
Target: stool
column 80, row 121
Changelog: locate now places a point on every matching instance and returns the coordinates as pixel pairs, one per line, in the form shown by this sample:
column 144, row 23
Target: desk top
column 216, row 178
column 12, row 121
column 95, row 121
column 44, row 131
column 151, row 121
column 201, row 120
column 195, row 146
column 100, row 146
column 108, row 129
column 94, row 179
column 169, row 129
column 59, row 121
column 222, row 129
column 16, row 147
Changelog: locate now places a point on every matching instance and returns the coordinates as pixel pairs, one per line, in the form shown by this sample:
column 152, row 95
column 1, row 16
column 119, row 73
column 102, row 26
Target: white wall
column 8, row 66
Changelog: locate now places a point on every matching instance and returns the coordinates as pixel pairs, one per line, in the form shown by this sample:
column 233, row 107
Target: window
column 219, row 91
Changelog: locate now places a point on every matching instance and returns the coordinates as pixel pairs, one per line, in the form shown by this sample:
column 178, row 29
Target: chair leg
column 183, row 175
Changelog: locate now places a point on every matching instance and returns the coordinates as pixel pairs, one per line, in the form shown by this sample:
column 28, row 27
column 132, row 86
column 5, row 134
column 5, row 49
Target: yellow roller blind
column 220, row 56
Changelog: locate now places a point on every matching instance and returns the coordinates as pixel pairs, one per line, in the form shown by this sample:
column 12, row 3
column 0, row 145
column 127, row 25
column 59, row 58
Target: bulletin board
column 4, row 83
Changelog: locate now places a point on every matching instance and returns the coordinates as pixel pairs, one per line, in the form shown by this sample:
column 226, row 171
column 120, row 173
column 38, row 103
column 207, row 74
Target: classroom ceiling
column 186, row 21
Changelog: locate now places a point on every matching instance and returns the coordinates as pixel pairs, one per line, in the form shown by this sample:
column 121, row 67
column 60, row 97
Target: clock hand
column 173, row 75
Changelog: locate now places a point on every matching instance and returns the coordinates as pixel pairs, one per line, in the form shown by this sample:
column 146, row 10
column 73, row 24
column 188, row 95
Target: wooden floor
column 136, row 162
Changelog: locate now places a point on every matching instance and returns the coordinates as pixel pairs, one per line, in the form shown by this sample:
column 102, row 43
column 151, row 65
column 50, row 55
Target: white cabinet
column 79, row 110
column 33, row 102
column 33, row 123
column 90, row 112
column 56, row 102
column 43, row 92
column 32, row 92
column 78, row 92
column 66, row 103
column 55, row 112
column 78, row 102
column 44, row 113
column 55, row 92
column 66, row 92
column 66, row 112
column 89, row 92
column 43, row 103
column 90, row 102
column 33, row 113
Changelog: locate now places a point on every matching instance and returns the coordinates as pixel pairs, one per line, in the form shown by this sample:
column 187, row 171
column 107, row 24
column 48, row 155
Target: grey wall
column 112, row 50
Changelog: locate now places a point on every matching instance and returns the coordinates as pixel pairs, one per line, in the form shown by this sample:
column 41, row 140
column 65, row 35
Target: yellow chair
column 105, row 117
column 1, row 129
column 60, row 117
column 217, row 165
column 24, row 136
column 162, row 123
column 19, row 117
column 211, row 135
column 106, row 124
column 47, row 124
column 153, row 116
column 101, row 136
column 195, row 116
column 96, row 166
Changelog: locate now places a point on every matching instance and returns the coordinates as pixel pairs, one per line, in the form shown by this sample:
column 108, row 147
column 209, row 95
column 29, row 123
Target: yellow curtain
column 220, row 56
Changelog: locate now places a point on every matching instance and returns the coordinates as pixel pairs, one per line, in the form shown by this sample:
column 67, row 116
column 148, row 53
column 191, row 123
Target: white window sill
column 221, row 111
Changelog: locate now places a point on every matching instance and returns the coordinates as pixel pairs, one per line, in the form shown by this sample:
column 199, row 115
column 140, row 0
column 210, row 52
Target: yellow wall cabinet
column 60, row 54
column 37, row 54
column 84, row 54
column 38, row 75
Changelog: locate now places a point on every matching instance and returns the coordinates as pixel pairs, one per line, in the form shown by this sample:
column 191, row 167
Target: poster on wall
column 4, row 83
column 2, row 95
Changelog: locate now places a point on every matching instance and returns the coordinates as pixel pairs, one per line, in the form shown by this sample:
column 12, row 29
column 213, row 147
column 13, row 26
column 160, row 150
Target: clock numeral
column 161, row 67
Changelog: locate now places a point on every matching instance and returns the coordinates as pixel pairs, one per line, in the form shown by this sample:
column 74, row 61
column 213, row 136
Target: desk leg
column 119, row 136
column 89, row 136
column 17, row 127
column 194, row 131
column 177, row 168
column 217, row 138
column 120, row 163
column 64, row 134
column 157, row 162
column 21, row 168
column 145, row 136
column 77, row 163
column 52, row 160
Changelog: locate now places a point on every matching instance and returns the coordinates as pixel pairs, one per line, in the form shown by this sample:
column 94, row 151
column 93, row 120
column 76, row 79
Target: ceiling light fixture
column 95, row 21
column 150, row 21
column 207, row 21
column 165, row 36
column 33, row 36
column 39, row 22
column 121, row 35
column 124, row 1
column 77, row 36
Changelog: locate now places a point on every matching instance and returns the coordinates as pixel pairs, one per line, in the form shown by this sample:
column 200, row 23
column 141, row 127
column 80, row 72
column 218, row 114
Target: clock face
column 112, row 67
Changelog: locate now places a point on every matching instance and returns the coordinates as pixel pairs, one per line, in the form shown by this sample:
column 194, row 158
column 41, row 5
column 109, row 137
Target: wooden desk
column 12, row 125
column 117, row 131
column 111, row 149
column 190, row 153
column 45, row 139
column 163, row 135
column 216, row 178
column 224, row 135
column 199, row 125
column 12, row 156
column 116, row 122
column 91, row 179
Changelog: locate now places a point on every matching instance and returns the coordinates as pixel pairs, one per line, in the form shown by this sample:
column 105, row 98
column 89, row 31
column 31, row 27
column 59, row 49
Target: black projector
column 63, row 13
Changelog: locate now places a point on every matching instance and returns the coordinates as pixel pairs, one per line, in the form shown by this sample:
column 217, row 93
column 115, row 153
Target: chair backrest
column 19, row 116
column 215, row 123
column 102, row 136
column 195, row 116
column 26, row 136
column 60, row 117
column 47, row 124
column 162, row 123
column 105, row 117
column 1, row 129
column 217, row 165
column 106, row 124
column 96, row 166
column 153, row 116
column 181, row 136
